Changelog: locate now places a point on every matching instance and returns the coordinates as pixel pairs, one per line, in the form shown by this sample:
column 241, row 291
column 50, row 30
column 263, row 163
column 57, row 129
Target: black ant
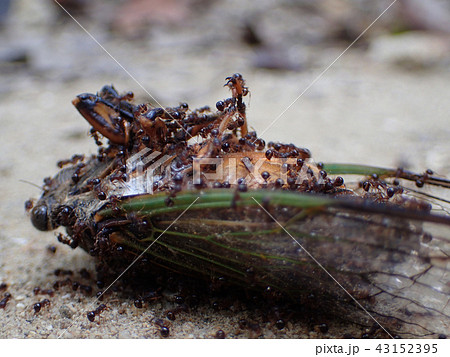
column 6, row 297
column 91, row 315
column 164, row 330
column 39, row 305
column 39, row 291
column 73, row 160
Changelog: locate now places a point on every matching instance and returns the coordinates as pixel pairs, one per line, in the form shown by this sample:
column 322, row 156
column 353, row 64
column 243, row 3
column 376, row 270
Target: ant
column 4, row 301
column 39, row 291
column 237, row 85
column 164, row 330
column 39, row 305
column 73, row 160
column 91, row 315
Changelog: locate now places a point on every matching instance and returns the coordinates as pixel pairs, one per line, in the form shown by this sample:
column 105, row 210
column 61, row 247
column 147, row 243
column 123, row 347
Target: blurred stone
column 431, row 15
column 276, row 58
column 124, row 334
column 66, row 311
column 17, row 57
column 74, row 7
column 134, row 16
column 411, row 50
column 4, row 10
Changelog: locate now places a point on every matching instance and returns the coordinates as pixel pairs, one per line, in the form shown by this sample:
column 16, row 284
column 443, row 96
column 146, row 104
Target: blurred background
column 384, row 102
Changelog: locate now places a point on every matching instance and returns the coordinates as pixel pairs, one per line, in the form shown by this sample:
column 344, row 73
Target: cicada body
column 195, row 193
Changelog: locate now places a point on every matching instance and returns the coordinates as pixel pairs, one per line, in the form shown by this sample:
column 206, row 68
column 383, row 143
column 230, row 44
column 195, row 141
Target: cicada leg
column 103, row 117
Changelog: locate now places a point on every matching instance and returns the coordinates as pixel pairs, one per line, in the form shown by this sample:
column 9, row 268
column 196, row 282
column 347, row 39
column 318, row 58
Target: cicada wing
column 362, row 266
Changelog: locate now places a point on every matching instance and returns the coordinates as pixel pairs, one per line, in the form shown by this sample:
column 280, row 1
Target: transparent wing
column 362, row 262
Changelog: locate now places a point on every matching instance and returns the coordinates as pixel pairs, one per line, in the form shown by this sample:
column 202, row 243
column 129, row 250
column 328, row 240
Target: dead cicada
column 196, row 193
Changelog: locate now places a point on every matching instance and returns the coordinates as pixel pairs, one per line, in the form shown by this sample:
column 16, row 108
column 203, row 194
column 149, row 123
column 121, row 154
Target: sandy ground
column 364, row 109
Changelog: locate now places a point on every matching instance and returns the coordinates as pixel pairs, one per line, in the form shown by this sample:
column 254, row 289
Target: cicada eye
column 39, row 218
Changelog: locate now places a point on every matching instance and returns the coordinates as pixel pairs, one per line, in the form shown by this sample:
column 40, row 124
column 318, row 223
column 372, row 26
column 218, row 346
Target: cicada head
column 56, row 207
column 40, row 218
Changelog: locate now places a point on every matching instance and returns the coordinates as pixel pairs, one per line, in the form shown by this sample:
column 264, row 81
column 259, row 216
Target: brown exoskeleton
column 107, row 112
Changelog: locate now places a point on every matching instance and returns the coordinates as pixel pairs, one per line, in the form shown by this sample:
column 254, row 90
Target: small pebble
column 65, row 311
column 124, row 334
